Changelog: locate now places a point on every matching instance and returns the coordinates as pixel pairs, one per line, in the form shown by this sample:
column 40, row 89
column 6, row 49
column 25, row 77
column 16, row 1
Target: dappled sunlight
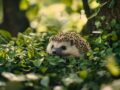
column 52, row 17
column 112, row 66
column 41, row 28
column 76, row 4
column 106, row 87
column 94, row 4
column 76, row 22
column 22, row 77
column 54, row 10
column 56, row 16
column 42, row 17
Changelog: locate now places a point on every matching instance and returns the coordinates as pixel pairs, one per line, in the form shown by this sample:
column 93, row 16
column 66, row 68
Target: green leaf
column 112, row 3
column 45, row 81
column 98, row 40
column 83, row 74
column 113, row 22
column 97, row 24
column 37, row 63
column 5, row 33
column 24, row 4
column 114, row 36
column 67, row 2
column 32, row 12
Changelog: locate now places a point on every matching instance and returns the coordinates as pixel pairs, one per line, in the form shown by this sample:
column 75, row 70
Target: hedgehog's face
column 62, row 48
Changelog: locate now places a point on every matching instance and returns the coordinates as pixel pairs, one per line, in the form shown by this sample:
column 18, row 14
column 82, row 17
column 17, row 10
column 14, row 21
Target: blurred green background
column 42, row 15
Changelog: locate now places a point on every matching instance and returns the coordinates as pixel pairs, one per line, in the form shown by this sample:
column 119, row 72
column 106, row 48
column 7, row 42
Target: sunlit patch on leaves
column 83, row 74
column 24, row 4
column 13, row 77
column 94, row 4
column 72, row 78
column 112, row 66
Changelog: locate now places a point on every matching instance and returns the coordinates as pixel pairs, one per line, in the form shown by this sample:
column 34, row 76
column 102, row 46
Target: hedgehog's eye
column 63, row 47
column 52, row 46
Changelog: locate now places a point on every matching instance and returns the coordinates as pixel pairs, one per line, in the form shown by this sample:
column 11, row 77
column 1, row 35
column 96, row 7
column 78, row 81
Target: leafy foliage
column 27, row 53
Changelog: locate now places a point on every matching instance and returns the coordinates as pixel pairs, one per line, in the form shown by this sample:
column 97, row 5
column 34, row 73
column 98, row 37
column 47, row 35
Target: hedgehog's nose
column 57, row 51
column 54, row 52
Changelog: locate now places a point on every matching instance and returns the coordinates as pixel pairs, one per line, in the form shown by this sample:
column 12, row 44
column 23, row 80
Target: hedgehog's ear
column 71, row 42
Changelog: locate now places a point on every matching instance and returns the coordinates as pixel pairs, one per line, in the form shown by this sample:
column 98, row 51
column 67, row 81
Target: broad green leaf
column 37, row 63
column 5, row 33
column 113, row 22
column 24, row 4
column 32, row 12
column 45, row 81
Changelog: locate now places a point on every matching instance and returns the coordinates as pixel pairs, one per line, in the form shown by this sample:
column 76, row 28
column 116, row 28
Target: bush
column 24, row 59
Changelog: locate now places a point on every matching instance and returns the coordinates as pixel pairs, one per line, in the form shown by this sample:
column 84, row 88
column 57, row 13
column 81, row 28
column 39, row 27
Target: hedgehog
column 67, row 43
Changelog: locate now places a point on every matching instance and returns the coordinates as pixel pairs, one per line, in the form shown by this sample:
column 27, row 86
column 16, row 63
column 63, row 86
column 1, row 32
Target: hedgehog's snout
column 53, row 52
column 57, row 51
